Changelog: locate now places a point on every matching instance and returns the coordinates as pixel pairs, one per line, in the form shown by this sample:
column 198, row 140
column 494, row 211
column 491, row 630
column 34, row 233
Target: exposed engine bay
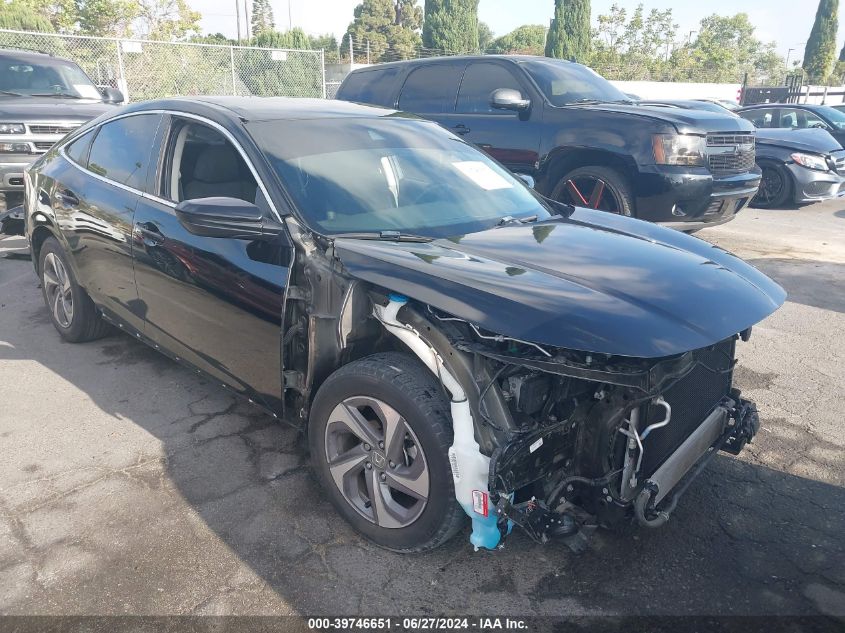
column 547, row 439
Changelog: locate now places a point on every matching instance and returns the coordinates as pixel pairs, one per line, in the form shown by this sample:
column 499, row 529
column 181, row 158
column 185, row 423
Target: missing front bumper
column 731, row 425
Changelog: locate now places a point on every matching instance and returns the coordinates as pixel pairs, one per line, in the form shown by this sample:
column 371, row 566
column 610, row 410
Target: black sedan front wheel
column 775, row 186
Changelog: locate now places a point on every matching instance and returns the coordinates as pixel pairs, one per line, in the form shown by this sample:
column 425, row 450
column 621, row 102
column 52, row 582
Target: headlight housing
column 816, row 163
column 12, row 128
column 679, row 149
column 15, row 148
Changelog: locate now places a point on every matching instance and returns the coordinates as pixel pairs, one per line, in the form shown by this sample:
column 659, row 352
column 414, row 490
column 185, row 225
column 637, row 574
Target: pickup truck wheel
column 379, row 434
column 596, row 187
column 775, row 186
column 71, row 310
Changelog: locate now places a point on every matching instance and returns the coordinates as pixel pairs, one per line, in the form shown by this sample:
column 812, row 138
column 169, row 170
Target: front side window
column 121, row 149
column 390, row 174
column 51, row 78
column 566, row 83
column 431, row 89
column 204, row 164
column 479, row 82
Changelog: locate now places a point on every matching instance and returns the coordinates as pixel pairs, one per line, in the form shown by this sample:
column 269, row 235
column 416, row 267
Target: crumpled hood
column 27, row 109
column 592, row 282
column 807, row 140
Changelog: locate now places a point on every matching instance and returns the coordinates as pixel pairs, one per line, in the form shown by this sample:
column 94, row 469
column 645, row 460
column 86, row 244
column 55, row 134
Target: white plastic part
column 470, row 468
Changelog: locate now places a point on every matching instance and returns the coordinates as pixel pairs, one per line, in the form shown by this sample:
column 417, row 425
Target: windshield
column 50, row 78
column 566, row 83
column 355, row 175
column 836, row 117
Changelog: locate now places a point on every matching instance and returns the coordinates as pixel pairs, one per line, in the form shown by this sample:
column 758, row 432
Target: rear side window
column 760, row 118
column 371, row 86
column 121, row 150
column 479, row 82
column 431, row 89
column 78, row 150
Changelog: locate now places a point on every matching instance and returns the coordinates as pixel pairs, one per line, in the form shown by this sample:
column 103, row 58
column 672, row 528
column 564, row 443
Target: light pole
column 290, row 17
column 689, row 36
column 788, row 54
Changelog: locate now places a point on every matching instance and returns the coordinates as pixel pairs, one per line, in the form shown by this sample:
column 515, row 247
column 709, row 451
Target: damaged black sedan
column 452, row 343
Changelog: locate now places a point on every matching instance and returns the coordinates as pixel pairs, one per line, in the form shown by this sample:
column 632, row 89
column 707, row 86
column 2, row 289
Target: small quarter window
column 78, row 150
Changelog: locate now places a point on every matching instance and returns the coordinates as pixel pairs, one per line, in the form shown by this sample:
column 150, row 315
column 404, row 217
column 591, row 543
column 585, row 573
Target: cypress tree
column 569, row 34
column 262, row 17
column 820, row 52
column 842, row 54
column 451, row 25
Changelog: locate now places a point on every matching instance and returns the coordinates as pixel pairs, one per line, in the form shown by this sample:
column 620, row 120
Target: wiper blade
column 10, row 93
column 61, row 95
column 512, row 220
column 387, row 236
column 585, row 102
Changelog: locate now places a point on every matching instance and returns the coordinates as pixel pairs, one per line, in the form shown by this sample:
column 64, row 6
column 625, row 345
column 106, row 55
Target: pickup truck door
column 215, row 302
column 512, row 138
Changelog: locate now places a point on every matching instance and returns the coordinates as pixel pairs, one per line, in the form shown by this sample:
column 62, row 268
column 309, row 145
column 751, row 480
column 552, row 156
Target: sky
column 786, row 22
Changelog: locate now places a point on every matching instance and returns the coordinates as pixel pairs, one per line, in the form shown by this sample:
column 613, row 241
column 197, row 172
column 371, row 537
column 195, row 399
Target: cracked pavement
column 130, row 485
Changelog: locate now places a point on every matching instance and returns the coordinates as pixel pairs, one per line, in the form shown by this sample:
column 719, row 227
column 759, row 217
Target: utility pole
column 290, row 17
column 238, row 17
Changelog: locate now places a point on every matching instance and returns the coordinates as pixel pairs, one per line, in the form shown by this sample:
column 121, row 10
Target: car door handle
column 149, row 234
column 461, row 129
column 67, row 198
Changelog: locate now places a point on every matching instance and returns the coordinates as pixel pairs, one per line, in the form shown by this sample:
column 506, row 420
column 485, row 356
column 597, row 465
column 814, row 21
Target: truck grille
column 730, row 153
column 692, row 399
column 39, row 128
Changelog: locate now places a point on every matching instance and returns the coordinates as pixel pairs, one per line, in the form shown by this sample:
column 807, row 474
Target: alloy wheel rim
column 58, row 290
column 377, row 462
column 771, row 186
column 591, row 192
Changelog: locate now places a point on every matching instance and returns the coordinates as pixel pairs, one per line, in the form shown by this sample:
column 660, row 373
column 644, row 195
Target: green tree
column 529, row 39
column 167, row 20
column 569, row 35
column 451, row 26
column 725, row 49
column 842, row 54
column 19, row 17
column 485, row 37
column 110, row 18
column 262, row 17
column 390, row 26
column 820, row 52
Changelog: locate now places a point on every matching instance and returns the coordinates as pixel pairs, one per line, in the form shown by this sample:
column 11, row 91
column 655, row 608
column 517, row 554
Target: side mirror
column 111, row 95
column 509, row 99
column 528, row 180
column 225, row 217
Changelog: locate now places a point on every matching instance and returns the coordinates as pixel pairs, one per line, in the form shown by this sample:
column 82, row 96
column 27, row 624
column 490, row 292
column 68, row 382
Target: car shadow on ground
column 813, row 283
column 747, row 538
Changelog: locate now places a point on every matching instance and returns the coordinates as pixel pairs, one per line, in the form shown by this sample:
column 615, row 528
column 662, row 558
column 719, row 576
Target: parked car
column 583, row 141
column 453, row 343
column 797, row 116
column 42, row 98
column 798, row 166
column 725, row 103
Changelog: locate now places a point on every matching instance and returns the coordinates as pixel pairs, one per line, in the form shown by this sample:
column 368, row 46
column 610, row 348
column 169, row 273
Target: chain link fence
column 148, row 69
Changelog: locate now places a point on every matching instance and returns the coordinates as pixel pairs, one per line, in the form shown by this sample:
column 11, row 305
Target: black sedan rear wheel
column 775, row 186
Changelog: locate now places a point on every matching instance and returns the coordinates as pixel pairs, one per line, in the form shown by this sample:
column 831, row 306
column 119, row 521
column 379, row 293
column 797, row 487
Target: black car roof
column 266, row 108
column 35, row 57
column 461, row 58
column 799, row 106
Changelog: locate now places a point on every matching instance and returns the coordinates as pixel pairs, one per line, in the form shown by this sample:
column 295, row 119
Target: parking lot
column 130, row 485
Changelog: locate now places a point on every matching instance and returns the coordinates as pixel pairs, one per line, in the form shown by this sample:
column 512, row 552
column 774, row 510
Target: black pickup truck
column 582, row 140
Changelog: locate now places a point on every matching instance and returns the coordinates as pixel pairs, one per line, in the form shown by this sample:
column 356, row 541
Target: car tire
column 387, row 396
column 778, row 186
column 71, row 310
column 579, row 187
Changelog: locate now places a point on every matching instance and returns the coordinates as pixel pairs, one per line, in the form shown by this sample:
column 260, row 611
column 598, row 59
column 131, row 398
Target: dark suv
column 42, row 98
column 583, row 141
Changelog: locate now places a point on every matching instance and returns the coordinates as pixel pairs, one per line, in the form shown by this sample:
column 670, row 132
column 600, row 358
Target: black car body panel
column 560, row 331
column 569, row 283
column 548, row 141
